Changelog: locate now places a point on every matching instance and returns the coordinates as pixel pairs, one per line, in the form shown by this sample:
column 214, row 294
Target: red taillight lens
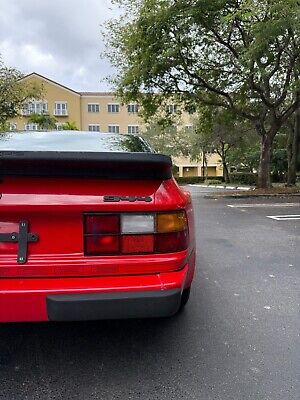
column 99, row 224
column 171, row 242
column 96, row 245
column 134, row 244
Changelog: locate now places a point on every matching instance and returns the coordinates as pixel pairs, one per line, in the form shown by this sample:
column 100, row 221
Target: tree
column 245, row 156
column 279, row 161
column 221, row 131
column 14, row 92
column 169, row 139
column 236, row 54
column 4, row 127
column 293, row 148
column 69, row 126
column 44, row 121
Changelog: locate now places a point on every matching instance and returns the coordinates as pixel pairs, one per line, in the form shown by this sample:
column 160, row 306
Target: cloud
column 37, row 57
column 60, row 40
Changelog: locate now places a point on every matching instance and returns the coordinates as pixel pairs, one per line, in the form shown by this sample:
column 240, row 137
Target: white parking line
column 284, row 217
column 264, row 205
column 219, row 186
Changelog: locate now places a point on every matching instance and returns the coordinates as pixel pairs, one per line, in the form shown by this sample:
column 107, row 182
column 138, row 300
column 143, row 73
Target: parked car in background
column 92, row 226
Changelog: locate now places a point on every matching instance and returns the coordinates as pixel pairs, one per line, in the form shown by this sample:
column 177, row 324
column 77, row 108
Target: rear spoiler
column 85, row 165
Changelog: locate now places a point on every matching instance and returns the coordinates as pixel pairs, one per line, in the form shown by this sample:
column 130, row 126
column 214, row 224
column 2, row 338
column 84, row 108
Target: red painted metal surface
column 54, row 208
column 24, row 300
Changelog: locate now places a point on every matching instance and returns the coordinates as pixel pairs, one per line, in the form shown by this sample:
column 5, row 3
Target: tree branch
column 225, row 43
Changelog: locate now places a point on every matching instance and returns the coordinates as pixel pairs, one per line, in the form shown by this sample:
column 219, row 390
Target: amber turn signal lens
column 171, row 222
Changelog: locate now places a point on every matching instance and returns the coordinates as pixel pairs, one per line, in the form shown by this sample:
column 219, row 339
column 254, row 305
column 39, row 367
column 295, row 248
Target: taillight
column 108, row 244
column 170, row 242
column 100, row 224
column 135, row 244
column 135, row 233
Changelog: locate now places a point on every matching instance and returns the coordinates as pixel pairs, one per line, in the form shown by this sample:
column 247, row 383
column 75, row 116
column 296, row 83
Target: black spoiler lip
column 85, row 164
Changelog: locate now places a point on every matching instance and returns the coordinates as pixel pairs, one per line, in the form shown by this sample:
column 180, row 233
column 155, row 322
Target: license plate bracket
column 23, row 237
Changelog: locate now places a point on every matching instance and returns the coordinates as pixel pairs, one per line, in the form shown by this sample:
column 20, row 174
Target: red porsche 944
column 92, row 226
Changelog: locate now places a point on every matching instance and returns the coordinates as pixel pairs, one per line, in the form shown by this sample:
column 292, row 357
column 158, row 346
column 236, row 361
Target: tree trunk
column 222, row 154
column 203, row 164
column 264, row 178
column 226, row 172
column 293, row 150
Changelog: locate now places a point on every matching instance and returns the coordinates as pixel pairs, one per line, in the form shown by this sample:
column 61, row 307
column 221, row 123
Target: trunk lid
column 53, row 210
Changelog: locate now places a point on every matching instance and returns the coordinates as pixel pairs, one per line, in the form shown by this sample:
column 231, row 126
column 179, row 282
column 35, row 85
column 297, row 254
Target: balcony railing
column 30, row 112
column 60, row 113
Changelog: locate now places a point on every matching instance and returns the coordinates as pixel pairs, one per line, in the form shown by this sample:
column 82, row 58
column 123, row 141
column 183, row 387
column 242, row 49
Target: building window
column 35, row 107
column 172, row 109
column 133, row 129
column 61, row 108
column 113, row 108
column 12, row 126
column 114, row 128
column 94, row 128
column 31, row 127
column 133, row 108
column 93, row 108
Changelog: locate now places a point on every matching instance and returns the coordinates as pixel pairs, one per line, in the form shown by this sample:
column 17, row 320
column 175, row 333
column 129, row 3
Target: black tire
column 185, row 297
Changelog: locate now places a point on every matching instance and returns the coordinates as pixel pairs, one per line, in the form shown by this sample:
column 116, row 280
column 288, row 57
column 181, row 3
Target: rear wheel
column 185, row 297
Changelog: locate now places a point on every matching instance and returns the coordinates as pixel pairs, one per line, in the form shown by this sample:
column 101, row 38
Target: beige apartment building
column 99, row 112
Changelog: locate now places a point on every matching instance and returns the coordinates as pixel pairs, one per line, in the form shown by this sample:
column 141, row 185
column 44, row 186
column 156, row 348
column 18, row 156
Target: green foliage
column 219, row 131
column 212, row 181
column 189, row 180
column 69, row 126
column 279, row 160
column 244, row 178
column 14, row 92
column 245, row 156
column 237, row 55
column 169, row 139
column 214, row 52
column 4, row 127
column 175, row 170
column 198, row 179
column 44, row 122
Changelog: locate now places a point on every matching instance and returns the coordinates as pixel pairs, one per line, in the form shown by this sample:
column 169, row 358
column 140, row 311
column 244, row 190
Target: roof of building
column 51, row 81
column 102, row 94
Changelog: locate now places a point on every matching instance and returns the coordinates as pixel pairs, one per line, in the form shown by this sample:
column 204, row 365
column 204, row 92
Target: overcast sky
column 59, row 39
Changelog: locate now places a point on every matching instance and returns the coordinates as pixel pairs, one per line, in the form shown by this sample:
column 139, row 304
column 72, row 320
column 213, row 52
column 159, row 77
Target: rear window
column 74, row 141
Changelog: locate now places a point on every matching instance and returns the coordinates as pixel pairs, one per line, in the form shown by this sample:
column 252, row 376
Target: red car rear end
column 91, row 227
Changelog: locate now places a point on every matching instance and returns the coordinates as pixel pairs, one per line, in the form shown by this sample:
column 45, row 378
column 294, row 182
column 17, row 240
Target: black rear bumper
column 121, row 305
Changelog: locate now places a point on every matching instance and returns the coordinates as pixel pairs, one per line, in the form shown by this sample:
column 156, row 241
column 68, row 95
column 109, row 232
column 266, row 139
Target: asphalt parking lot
column 237, row 339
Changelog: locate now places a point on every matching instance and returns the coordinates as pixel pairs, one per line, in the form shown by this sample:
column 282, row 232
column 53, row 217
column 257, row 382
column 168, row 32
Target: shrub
column 213, row 182
column 278, row 177
column 175, row 171
column 198, row 179
column 189, row 180
column 243, row 178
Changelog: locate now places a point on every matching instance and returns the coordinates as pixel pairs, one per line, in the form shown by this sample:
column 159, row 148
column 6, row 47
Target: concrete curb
column 221, row 187
column 247, row 196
